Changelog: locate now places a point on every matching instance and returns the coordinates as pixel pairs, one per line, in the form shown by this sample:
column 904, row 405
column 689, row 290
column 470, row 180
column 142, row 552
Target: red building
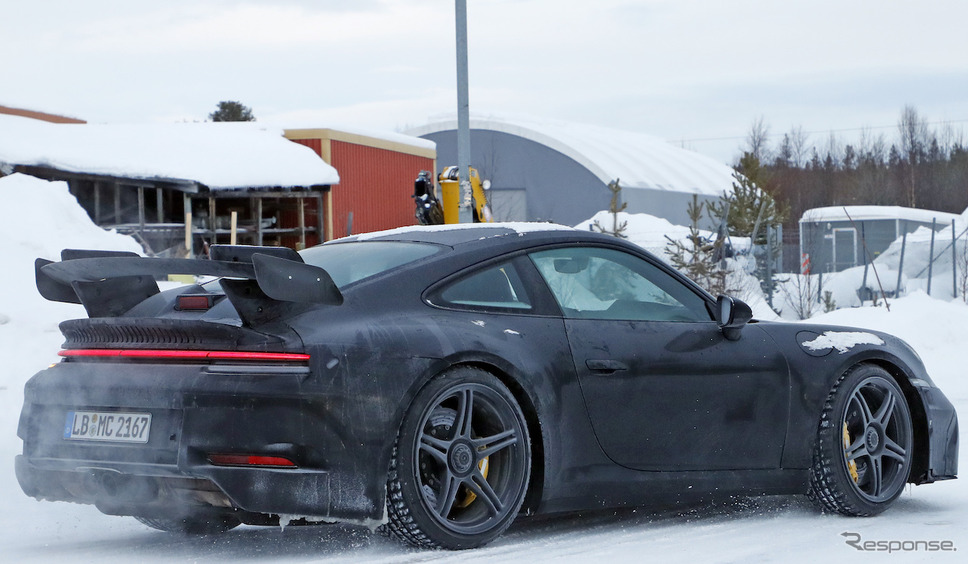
column 42, row 116
column 376, row 178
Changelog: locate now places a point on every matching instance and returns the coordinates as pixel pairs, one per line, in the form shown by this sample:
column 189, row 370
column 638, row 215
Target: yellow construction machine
column 431, row 211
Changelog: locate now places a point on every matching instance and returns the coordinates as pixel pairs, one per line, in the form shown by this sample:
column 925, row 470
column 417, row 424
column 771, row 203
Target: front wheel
column 461, row 463
column 865, row 442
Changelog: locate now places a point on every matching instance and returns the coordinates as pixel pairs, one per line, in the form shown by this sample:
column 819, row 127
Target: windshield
column 349, row 262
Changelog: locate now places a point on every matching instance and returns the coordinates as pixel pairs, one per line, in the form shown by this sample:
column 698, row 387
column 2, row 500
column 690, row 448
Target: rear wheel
column 192, row 525
column 461, row 463
column 865, row 442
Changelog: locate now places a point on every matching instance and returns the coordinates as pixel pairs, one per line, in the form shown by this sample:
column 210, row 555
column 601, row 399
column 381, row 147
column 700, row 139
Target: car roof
column 454, row 235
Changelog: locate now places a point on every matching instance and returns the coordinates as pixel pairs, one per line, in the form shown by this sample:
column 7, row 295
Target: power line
column 844, row 130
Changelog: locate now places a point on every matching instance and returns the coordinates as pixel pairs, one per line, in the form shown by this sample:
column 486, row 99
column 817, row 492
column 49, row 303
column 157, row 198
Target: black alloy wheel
column 865, row 444
column 461, row 464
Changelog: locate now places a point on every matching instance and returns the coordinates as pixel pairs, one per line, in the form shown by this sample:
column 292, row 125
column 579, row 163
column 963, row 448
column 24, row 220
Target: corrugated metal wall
column 314, row 144
column 375, row 185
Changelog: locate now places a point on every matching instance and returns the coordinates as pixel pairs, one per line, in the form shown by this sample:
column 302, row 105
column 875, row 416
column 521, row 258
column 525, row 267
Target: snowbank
column 47, row 219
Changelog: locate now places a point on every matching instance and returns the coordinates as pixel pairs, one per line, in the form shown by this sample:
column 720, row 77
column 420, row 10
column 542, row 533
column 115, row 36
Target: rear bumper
column 120, row 489
column 196, row 413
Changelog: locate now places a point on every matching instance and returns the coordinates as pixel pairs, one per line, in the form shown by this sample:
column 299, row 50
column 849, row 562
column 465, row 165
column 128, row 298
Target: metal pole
column 934, row 223
column 863, row 284
column 900, row 266
column 463, row 115
column 954, row 262
column 769, row 266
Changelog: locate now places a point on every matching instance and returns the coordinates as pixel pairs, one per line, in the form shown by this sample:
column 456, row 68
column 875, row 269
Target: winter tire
column 862, row 458
column 461, row 463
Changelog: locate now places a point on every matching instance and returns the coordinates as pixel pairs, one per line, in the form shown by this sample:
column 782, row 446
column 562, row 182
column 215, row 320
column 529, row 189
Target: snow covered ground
column 775, row 529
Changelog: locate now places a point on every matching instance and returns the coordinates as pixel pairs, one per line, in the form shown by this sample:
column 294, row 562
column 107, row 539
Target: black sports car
column 442, row 380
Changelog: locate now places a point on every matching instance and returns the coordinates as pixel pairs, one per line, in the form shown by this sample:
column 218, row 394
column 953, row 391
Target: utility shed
column 377, row 171
column 542, row 170
column 153, row 180
column 834, row 238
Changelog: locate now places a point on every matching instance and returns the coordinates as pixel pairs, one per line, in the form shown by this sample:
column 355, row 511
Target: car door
column 663, row 388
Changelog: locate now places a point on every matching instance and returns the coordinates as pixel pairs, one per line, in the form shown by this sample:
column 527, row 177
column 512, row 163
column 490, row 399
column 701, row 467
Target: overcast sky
column 685, row 70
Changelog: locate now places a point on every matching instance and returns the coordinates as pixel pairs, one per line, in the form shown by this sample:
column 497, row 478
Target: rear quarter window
column 351, row 262
column 494, row 288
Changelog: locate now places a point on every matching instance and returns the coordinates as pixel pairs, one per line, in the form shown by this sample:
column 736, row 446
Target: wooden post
column 258, row 220
column 160, row 204
column 117, row 203
column 233, row 233
column 212, row 224
column 188, row 234
column 97, row 202
column 320, row 224
column 302, row 223
column 329, row 215
column 141, row 210
column 187, row 202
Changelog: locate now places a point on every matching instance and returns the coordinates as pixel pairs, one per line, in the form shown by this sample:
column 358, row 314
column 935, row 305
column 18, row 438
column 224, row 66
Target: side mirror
column 732, row 316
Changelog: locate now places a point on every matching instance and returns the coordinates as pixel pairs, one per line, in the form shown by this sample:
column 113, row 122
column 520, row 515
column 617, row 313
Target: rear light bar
column 194, row 302
column 250, row 460
column 185, row 355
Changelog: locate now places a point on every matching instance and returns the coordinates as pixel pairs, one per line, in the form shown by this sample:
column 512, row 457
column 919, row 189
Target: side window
column 497, row 287
column 599, row 283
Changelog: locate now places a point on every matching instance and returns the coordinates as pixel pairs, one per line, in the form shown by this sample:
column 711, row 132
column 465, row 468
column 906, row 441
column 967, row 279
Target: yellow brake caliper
column 471, row 496
column 851, row 465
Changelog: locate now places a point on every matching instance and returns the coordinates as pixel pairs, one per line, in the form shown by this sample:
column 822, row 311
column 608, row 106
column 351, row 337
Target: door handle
column 605, row 365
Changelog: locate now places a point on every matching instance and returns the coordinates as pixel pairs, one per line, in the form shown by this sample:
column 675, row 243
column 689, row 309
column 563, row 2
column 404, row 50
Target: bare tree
column 800, row 294
column 913, row 130
column 835, row 148
column 950, row 138
column 872, row 147
column 872, row 174
column 799, row 145
column 758, row 139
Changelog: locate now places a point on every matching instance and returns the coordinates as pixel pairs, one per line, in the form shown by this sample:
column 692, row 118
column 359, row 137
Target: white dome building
column 556, row 171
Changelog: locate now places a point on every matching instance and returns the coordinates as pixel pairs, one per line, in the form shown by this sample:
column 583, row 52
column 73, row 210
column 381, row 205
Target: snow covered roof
column 220, row 156
column 865, row 213
column 380, row 137
column 637, row 159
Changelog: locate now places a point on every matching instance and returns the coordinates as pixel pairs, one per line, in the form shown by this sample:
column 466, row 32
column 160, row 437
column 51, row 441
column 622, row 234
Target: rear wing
column 261, row 282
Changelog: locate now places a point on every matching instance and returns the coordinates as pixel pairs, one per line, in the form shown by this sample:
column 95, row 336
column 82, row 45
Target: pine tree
column 697, row 256
column 618, row 229
column 231, row 111
column 752, row 211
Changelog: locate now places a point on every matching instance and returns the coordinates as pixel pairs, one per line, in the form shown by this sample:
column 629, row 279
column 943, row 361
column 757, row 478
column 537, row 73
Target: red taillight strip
column 250, row 460
column 186, row 355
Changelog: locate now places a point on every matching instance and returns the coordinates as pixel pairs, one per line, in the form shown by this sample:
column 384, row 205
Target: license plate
column 109, row 426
